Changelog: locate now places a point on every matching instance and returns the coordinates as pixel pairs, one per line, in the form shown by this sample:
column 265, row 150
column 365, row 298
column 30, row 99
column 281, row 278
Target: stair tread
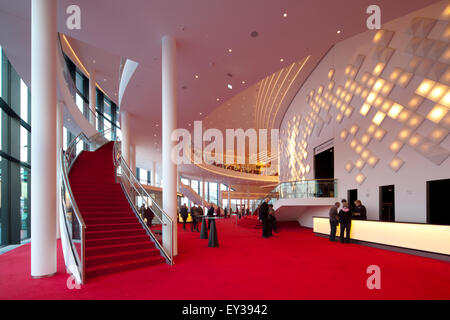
column 121, row 263
column 120, row 253
column 120, row 245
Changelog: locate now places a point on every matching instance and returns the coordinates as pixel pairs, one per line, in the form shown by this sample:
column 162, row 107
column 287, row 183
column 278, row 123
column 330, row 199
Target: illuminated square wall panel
column 415, row 102
column 438, row 134
column 396, row 163
column 437, row 113
column 349, row 166
column 360, row 178
column 378, row 118
column 425, row 87
column 379, row 134
column 354, row 129
column 372, row 161
column 396, row 146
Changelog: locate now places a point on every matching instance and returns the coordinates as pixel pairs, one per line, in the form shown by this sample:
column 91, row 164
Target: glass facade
column 106, row 113
column 15, row 169
column 143, row 175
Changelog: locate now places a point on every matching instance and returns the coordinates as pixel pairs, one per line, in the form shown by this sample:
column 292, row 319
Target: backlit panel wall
column 384, row 96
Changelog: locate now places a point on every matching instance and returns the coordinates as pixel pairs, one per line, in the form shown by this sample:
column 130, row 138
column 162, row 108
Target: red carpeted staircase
column 115, row 239
column 250, row 222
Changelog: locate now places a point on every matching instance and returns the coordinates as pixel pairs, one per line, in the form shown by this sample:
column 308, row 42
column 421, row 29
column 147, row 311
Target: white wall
column 410, row 180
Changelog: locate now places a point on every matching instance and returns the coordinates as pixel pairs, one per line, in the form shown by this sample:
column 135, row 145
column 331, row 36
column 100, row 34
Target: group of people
column 147, row 214
column 267, row 217
column 344, row 218
column 197, row 214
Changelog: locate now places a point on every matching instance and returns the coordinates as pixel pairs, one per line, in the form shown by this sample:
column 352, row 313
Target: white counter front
column 416, row 236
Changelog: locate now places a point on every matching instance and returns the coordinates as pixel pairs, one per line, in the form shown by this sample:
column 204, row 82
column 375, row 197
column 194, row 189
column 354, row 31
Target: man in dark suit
column 210, row 214
column 184, row 215
column 263, row 216
column 345, row 219
column 359, row 212
column 334, row 220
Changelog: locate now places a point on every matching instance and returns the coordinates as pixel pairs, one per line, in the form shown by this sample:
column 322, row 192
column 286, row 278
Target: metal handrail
column 120, row 162
column 66, row 165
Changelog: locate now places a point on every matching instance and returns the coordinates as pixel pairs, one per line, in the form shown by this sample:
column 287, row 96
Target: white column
column 133, row 158
column 203, row 193
column 169, row 124
column 229, row 200
column 59, row 146
column 125, row 127
column 92, row 97
column 43, row 139
column 153, row 173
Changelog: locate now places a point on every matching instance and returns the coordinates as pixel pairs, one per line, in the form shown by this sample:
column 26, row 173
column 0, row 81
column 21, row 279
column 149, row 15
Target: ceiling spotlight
column 284, row 15
column 93, row 61
column 196, row 76
column 229, row 50
column 281, row 60
column 200, row 113
column 104, row 79
column 156, row 125
column 154, row 135
column 218, row 99
column 230, row 86
column 243, row 82
column 338, row 32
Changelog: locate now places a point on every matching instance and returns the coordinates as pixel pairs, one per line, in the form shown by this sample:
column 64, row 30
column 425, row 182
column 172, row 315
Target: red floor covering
column 294, row 264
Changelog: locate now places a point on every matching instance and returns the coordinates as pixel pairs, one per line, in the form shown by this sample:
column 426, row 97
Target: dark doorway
column 352, row 195
column 324, row 164
column 324, row 172
column 438, row 192
column 387, row 203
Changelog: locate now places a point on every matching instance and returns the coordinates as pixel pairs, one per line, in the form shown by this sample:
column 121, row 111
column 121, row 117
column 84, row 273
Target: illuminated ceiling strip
column 279, row 89
column 82, row 65
column 265, row 96
column 265, row 114
column 261, row 90
column 293, row 80
column 261, row 84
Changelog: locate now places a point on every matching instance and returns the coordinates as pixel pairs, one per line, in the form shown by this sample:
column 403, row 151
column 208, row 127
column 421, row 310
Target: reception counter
column 415, row 236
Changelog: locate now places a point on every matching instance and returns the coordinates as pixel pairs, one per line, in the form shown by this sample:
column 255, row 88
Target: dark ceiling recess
column 230, row 75
column 184, row 87
column 254, row 34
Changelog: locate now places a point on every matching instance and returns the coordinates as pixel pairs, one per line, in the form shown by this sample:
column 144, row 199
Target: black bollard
column 204, row 230
column 213, row 240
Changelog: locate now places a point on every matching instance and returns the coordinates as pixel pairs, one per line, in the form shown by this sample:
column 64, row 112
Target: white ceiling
column 204, row 30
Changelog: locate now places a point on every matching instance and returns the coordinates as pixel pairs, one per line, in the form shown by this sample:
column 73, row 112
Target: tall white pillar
column 203, row 193
column 92, row 97
column 229, row 200
column 59, row 146
column 125, row 128
column 133, row 158
column 169, row 124
column 153, row 174
column 43, row 139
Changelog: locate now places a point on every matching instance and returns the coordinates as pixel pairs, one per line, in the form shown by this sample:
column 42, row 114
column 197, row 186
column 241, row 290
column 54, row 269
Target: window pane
column 79, row 101
column 143, row 176
column 79, row 82
column 24, row 134
column 24, row 203
column 107, row 109
column 23, row 101
column 1, row 70
column 65, row 138
column 185, row 181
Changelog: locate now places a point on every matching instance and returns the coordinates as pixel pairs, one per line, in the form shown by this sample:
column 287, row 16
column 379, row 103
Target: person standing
column 184, row 215
column 225, row 212
column 345, row 219
column 210, row 214
column 359, row 212
column 334, row 220
column 272, row 222
column 263, row 216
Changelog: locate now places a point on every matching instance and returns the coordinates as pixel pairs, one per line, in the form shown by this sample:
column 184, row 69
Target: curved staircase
column 250, row 222
column 115, row 239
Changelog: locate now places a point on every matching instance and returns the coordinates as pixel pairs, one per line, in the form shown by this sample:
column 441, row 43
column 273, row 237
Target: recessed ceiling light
column 243, row 82
column 93, row 61
column 230, row 86
column 196, row 76
column 339, row 31
column 217, row 99
column 200, row 113
column 284, row 15
column 157, row 125
column 229, row 50
column 281, row 60
column 189, row 124
column 154, row 135
column 104, row 79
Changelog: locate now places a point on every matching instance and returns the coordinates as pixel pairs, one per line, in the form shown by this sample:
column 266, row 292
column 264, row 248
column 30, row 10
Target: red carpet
column 294, row 264
column 250, row 222
column 115, row 239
